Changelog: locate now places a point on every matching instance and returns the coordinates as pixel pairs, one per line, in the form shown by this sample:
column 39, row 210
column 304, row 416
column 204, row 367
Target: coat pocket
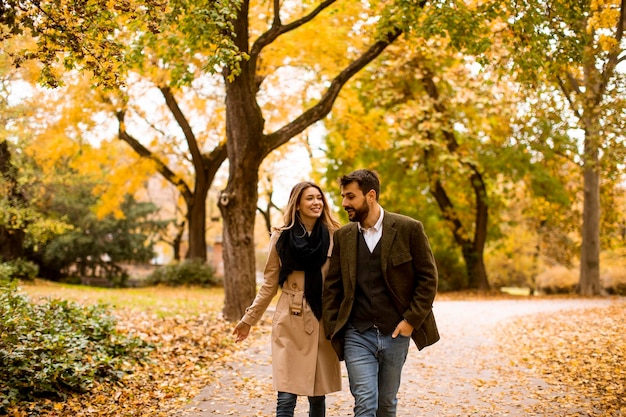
column 400, row 259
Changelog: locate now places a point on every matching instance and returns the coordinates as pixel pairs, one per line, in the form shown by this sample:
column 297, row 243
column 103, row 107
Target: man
column 377, row 295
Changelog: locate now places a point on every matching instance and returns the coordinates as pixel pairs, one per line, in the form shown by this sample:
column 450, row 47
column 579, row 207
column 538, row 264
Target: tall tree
column 22, row 224
column 12, row 199
column 248, row 143
column 437, row 111
column 576, row 48
column 260, row 53
column 203, row 166
column 166, row 43
column 440, row 126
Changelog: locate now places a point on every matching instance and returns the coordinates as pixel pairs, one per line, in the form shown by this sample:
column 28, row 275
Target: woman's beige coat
column 303, row 360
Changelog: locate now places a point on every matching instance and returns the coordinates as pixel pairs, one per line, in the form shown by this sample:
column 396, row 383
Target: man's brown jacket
column 409, row 271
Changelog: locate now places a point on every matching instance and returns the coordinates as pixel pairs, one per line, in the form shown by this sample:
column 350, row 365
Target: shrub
column 18, row 269
column 452, row 273
column 189, row 272
column 557, row 280
column 51, row 348
column 613, row 271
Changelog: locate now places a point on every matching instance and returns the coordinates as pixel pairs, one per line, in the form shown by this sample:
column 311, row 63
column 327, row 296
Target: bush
column 557, row 280
column 452, row 272
column 189, row 272
column 613, row 271
column 49, row 349
column 18, row 269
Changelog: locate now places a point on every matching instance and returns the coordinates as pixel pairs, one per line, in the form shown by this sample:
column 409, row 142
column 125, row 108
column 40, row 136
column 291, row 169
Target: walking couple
column 357, row 293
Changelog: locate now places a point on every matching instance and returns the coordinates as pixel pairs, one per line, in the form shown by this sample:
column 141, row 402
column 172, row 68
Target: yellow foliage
column 605, row 15
column 323, row 51
column 127, row 175
column 608, row 43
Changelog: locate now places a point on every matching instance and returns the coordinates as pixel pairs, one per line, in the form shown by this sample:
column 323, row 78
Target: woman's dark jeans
column 286, row 405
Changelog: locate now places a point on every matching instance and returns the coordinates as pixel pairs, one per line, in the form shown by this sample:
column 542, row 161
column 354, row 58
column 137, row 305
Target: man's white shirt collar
column 373, row 234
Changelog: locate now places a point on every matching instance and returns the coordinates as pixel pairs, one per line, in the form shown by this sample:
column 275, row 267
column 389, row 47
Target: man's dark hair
column 367, row 180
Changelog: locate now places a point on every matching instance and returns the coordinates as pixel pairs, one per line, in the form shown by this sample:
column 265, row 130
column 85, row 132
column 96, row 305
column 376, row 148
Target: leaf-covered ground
column 582, row 349
column 484, row 365
column 190, row 339
column 476, row 369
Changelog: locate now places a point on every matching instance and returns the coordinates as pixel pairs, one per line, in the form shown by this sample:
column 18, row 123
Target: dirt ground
column 464, row 374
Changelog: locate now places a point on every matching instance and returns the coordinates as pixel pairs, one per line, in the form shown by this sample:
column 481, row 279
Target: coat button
column 294, row 286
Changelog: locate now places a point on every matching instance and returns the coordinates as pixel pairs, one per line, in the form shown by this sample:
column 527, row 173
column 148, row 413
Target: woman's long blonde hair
column 290, row 216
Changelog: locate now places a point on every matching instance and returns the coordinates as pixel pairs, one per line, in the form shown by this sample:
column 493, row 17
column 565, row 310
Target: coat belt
column 297, row 306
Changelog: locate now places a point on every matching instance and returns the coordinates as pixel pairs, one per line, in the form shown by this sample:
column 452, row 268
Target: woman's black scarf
column 299, row 251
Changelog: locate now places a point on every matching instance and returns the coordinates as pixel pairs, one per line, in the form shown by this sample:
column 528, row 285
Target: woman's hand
column 241, row 331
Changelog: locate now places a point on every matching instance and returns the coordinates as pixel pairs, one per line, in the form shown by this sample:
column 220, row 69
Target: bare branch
column 567, row 93
column 144, row 152
column 180, row 118
column 324, row 106
column 278, row 29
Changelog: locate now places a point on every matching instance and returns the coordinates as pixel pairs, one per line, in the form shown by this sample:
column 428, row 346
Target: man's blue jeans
column 374, row 362
column 286, row 405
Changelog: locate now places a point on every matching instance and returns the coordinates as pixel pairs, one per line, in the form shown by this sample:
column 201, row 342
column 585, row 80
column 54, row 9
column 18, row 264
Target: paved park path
column 464, row 374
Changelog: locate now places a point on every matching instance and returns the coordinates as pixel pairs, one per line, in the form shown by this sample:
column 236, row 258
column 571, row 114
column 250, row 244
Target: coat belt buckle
column 296, row 311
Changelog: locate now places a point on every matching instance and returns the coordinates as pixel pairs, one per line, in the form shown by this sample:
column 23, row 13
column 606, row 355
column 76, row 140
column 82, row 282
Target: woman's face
column 311, row 204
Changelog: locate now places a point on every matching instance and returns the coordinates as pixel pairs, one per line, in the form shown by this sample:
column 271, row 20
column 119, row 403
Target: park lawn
column 162, row 301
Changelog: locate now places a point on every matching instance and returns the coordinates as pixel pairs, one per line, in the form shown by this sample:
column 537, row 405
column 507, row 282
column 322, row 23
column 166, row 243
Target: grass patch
column 161, row 301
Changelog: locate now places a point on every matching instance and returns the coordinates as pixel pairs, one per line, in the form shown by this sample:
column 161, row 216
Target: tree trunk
column 238, row 202
column 475, row 266
column 472, row 249
column 238, row 207
column 11, row 243
column 589, row 280
column 11, row 239
column 196, row 219
column 178, row 240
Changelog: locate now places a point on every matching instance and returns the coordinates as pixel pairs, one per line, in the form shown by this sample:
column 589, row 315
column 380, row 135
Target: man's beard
column 359, row 214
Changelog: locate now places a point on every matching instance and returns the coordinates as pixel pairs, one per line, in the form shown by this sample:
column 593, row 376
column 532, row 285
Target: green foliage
column 95, row 246
column 188, row 272
column 18, row 269
column 21, row 222
column 464, row 26
column 452, row 271
column 56, row 347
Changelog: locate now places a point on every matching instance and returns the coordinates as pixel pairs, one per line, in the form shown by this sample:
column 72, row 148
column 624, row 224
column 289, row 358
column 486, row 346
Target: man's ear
column 371, row 196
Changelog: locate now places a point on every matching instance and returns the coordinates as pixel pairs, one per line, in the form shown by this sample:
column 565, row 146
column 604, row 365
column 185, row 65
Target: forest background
column 497, row 124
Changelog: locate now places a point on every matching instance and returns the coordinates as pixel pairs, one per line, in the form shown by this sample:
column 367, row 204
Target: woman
column 303, row 361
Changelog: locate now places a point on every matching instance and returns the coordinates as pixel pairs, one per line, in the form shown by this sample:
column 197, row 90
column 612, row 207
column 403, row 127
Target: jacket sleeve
column 269, row 288
column 333, row 290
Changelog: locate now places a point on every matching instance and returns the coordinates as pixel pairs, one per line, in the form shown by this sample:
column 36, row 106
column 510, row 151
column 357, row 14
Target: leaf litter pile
column 580, row 350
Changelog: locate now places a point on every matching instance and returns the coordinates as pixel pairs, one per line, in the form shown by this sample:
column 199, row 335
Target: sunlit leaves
column 192, row 36
column 107, row 37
